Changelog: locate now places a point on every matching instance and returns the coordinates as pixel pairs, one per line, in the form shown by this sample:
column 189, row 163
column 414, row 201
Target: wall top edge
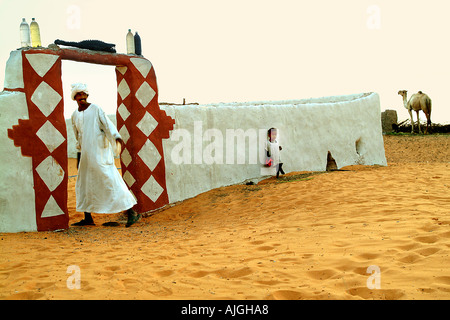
column 83, row 55
column 327, row 100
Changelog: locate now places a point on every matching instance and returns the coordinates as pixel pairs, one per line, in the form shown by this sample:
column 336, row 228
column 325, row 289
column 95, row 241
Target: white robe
column 274, row 151
column 99, row 187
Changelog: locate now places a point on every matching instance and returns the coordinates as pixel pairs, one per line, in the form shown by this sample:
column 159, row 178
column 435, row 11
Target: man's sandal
column 83, row 223
column 132, row 219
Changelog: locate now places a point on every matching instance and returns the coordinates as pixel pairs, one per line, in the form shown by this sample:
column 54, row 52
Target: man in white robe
column 99, row 187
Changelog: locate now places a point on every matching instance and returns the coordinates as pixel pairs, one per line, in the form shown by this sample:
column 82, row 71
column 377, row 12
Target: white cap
column 79, row 87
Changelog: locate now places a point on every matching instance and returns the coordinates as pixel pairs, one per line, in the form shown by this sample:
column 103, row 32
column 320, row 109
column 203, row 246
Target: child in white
column 273, row 150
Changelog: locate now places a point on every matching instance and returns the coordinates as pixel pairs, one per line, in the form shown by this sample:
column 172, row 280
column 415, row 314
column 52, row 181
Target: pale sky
column 210, row 51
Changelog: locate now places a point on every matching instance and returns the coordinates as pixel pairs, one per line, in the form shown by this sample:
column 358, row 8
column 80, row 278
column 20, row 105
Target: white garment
column 99, row 187
column 274, row 151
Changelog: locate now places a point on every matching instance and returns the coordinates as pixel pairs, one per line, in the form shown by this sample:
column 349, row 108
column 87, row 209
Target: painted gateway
column 34, row 161
column 171, row 152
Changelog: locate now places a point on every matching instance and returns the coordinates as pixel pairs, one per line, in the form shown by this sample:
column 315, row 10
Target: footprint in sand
column 443, row 280
column 427, row 251
column 4, row 276
column 227, row 274
column 265, row 248
column 27, row 295
column 368, row 256
column 286, row 295
column 38, row 285
column 426, row 239
column 289, row 260
column 411, row 257
column 445, row 234
column 426, row 290
column 361, row 270
column 112, row 268
column 131, row 283
column 269, row 282
column 378, row 294
column 322, row 274
column 164, row 273
column 342, row 244
column 199, row 274
column 162, row 292
column 307, row 255
column 409, row 246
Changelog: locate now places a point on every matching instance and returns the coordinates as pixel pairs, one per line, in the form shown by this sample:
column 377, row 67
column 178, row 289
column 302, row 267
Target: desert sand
column 306, row 236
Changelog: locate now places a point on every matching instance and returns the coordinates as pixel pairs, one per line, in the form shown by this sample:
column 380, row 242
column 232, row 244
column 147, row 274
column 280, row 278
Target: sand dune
column 307, row 236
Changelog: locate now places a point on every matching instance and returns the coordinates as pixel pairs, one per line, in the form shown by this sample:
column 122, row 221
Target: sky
column 210, row 51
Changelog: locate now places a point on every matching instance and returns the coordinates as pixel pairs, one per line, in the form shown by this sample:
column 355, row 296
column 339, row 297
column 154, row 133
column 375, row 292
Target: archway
column 43, row 136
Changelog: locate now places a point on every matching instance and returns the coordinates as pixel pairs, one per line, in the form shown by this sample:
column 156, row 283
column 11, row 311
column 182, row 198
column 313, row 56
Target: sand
column 308, row 236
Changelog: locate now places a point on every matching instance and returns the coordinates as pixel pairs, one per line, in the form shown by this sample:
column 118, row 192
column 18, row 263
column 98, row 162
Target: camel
column 418, row 101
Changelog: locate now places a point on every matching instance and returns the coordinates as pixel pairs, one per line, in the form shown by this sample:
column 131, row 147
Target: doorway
column 102, row 85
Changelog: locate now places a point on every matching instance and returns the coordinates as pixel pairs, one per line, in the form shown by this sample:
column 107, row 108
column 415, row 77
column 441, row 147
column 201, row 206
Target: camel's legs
column 412, row 121
column 428, row 121
column 418, row 122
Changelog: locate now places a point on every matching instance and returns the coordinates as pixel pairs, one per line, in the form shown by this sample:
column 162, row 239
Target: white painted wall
column 16, row 176
column 308, row 129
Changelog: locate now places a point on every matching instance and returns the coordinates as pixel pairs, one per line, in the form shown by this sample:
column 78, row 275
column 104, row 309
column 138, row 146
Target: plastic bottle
column 35, row 34
column 137, row 44
column 25, row 34
column 130, row 43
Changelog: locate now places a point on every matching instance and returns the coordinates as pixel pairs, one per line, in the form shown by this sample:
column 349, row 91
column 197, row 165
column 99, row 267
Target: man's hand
column 120, row 141
column 119, row 146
